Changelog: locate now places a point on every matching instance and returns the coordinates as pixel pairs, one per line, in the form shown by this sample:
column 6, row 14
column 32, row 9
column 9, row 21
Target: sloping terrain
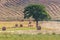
column 13, row 9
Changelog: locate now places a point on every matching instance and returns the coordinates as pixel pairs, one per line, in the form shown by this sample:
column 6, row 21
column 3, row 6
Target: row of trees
column 37, row 12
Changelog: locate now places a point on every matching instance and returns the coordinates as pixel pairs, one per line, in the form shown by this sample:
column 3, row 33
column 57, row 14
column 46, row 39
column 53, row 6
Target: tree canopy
column 38, row 12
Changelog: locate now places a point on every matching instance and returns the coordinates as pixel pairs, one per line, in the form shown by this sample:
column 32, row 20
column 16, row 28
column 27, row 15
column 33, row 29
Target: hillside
column 12, row 9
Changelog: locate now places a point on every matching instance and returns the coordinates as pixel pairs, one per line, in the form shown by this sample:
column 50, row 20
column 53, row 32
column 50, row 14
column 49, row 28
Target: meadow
column 29, row 37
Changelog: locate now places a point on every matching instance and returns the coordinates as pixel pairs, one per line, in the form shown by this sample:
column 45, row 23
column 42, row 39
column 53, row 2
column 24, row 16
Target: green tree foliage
column 38, row 12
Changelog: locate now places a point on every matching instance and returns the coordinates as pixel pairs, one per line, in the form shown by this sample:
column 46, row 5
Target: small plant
column 3, row 28
column 53, row 33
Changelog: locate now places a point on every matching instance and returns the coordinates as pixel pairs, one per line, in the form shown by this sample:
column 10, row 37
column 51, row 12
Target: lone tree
column 38, row 12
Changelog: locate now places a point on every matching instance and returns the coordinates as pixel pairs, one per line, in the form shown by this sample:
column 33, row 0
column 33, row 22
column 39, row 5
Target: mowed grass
column 29, row 37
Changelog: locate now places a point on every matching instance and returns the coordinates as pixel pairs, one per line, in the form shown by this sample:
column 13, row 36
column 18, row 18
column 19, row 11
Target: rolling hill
column 13, row 9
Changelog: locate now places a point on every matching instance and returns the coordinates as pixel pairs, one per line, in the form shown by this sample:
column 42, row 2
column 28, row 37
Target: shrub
column 53, row 33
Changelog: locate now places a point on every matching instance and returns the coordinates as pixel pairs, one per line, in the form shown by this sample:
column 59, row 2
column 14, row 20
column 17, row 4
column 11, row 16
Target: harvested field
column 46, row 25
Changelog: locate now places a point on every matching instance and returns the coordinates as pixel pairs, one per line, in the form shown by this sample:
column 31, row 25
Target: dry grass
column 12, row 23
column 45, row 25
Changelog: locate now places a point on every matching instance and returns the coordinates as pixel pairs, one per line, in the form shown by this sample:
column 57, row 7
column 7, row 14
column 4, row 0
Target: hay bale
column 3, row 28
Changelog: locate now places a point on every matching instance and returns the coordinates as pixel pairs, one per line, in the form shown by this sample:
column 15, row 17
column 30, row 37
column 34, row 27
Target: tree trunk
column 38, row 27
